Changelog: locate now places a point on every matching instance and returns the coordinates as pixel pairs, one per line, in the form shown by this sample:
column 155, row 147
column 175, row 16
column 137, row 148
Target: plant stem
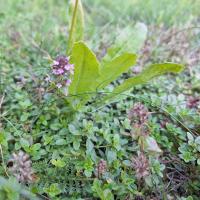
column 3, row 163
column 70, row 41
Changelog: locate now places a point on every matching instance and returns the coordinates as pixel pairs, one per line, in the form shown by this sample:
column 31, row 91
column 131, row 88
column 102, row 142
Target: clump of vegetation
column 77, row 123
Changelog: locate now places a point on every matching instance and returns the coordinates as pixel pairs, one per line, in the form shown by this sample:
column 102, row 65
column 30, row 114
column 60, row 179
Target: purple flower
column 54, row 71
column 67, row 67
column 20, row 166
column 101, row 168
column 138, row 113
column 193, row 102
column 62, row 71
column 59, row 85
column 55, row 62
column 141, row 166
column 47, row 79
column 61, row 61
column 68, row 82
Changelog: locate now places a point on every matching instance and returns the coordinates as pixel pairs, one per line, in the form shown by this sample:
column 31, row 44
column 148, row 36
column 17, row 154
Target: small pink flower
column 67, row 67
column 60, row 71
column 55, row 62
column 68, row 82
column 141, row 166
column 71, row 66
column 55, row 71
column 72, row 72
column 47, row 79
column 59, row 85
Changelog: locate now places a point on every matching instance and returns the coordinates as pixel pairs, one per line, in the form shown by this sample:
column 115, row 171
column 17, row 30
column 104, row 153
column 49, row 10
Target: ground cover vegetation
column 99, row 99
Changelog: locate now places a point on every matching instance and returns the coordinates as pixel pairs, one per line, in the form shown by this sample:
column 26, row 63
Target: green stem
column 70, row 41
column 3, row 163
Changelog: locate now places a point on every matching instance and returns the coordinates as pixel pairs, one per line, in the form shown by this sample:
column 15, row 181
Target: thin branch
column 3, row 163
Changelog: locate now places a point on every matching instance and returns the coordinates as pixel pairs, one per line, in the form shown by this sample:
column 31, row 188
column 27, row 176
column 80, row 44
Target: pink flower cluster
column 141, row 166
column 138, row 113
column 193, row 102
column 61, row 71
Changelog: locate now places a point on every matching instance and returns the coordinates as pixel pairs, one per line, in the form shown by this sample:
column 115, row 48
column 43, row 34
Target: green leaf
column 198, row 161
column 116, row 141
column 24, row 117
column 108, row 195
column 76, row 144
column 146, row 75
column 88, row 166
column 111, row 156
column 103, row 194
column 86, row 70
column 60, row 142
column 53, row 190
column 55, row 126
column 89, row 145
column 97, row 188
column 187, row 156
column 36, row 146
column 47, row 139
column 25, row 104
column 73, row 130
column 130, row 38
column 151, row 145
column 197, row 142
column 112, row 70
column 88, row 173
column 190, row 137
column 58, row 163
column 77, row 29
column 10, row 189
column 24, row 143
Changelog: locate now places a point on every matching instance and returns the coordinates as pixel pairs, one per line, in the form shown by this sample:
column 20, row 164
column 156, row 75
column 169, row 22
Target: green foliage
column 88, row 76
column 102, row 193
column 110, row 71
column 190, row 150
column 58, row 163
column 130, row 39
column 66, row 151
column 187, row 198
column 149, row 11
column 145, row 76
column 11, row 190
column 86, row 70
column 53, row 190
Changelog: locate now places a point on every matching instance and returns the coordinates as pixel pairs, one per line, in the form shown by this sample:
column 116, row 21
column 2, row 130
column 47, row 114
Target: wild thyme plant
column 88, row 156
column 61, row 73
column 90, row 75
